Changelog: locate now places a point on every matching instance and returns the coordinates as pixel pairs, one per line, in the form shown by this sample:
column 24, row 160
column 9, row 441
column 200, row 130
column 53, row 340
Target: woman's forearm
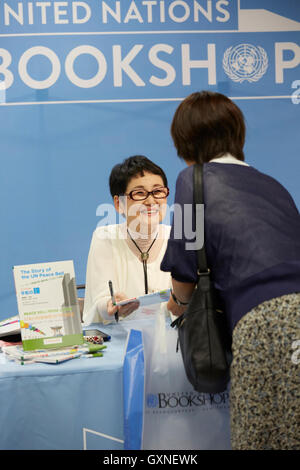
column 183, row 290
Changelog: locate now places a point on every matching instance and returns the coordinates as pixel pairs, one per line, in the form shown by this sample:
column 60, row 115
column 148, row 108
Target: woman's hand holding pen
column 124, row 310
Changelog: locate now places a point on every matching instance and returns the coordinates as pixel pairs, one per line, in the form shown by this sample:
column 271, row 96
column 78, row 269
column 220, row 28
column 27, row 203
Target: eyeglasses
column 142, row 194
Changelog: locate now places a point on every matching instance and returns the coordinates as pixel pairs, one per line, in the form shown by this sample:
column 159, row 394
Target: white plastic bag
column 174, row 415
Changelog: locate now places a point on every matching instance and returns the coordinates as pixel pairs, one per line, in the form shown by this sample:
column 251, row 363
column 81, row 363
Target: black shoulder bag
column 202, row 330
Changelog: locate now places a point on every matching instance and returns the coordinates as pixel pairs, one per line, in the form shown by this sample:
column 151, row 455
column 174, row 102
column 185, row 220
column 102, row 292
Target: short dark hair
column 122, row 173
column 207, row 125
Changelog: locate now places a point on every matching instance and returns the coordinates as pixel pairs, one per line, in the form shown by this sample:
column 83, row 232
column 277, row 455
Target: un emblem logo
column 245, row 62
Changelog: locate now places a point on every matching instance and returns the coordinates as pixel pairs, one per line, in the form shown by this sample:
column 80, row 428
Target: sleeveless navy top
column 252, row 237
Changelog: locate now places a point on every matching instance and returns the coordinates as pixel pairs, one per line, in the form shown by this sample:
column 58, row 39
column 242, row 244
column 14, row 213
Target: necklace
column 144, row 259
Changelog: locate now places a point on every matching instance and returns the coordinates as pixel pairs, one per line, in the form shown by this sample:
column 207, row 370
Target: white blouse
column 110, row 258
column 228, row 158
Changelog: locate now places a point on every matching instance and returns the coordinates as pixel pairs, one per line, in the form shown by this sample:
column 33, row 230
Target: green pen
column 93, row 348
column 88, row 356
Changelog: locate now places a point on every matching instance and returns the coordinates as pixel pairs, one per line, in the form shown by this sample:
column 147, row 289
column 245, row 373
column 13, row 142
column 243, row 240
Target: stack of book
column 54, row 356
column 48, row 328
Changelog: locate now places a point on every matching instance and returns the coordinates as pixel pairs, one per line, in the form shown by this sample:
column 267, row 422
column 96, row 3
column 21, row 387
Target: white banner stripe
column 120, row 33
column 137, row 100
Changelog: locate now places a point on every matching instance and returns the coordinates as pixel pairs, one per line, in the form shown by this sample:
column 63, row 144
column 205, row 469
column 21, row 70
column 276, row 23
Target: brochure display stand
column 48, row 305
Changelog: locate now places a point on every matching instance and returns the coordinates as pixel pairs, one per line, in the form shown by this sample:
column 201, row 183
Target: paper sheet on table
column 149, row 299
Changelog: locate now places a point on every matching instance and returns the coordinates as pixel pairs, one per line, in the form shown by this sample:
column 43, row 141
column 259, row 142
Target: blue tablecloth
column 74, row 405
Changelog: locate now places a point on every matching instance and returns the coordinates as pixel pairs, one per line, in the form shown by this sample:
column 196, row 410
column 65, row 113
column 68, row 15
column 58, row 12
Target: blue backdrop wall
column 85, row 84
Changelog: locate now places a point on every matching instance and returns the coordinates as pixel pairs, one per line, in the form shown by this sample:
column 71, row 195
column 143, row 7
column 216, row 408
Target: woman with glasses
column 129, row 254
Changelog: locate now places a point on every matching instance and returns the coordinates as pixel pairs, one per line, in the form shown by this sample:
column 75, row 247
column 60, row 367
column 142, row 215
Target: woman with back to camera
column 252, row 238
column 129, row 254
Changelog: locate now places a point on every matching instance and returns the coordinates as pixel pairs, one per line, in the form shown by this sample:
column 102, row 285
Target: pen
column 57, row 359
column 10, row 323
column 113, row 299
column 87, row 356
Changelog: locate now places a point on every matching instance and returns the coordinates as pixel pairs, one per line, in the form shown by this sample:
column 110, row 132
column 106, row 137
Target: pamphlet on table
column 52, row 356
column 48, row 305
column 149, row 299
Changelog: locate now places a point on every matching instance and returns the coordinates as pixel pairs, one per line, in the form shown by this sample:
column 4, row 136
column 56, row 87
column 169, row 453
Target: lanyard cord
column 144, row 258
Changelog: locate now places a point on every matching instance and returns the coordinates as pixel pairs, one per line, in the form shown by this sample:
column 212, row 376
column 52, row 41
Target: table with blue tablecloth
column 135, row 396
column 73, row 405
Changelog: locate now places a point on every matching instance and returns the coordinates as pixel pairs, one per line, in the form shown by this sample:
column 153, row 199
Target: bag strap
column 198, row 199
column 203, row 271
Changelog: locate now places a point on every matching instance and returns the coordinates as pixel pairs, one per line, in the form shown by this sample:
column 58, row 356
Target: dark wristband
column 178, row 302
